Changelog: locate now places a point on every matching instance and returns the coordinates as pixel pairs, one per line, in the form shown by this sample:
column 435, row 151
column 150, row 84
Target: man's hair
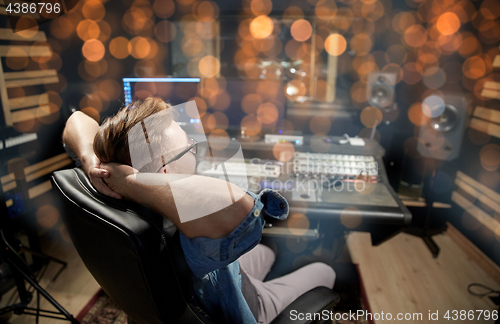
column 117, row 136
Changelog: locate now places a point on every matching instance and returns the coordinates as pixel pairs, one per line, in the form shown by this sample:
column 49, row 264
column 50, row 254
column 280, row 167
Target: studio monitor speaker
column 444, row 121
column 380, row 90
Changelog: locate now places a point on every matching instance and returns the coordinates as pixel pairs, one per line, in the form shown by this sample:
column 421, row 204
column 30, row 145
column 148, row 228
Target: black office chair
column 135, row 255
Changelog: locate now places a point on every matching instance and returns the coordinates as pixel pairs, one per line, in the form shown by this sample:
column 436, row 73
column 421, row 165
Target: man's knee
column 324, row 273
column 267, row 252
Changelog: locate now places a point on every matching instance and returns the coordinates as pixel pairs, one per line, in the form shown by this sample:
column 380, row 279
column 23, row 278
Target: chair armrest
column 313, row 301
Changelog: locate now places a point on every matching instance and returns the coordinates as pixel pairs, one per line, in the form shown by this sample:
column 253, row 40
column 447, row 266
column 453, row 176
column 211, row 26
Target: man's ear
column 165, row 169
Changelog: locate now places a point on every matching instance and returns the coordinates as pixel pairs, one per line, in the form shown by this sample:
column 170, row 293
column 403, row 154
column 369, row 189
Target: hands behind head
column 95, row 171
column 118, row 179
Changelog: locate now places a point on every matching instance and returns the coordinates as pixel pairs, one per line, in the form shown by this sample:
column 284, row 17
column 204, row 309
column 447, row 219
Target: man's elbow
column 67, row 128
column 245, row 204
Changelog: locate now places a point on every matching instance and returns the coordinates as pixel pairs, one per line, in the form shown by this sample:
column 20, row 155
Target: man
column 215, row 246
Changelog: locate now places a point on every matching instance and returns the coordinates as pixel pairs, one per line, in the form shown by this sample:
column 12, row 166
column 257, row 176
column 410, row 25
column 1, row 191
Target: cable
column 488, row 292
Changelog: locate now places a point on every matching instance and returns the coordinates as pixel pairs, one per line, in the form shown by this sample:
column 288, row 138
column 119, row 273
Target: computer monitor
column 175, row 91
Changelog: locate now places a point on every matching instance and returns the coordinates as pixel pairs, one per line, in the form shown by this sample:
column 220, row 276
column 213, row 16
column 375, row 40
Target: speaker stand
column 426, row 232
column 22, row 273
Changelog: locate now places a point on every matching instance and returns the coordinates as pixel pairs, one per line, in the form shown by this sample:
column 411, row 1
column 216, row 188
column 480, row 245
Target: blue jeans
column 213, row 262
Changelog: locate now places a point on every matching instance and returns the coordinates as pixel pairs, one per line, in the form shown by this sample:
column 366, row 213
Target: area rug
column 101, row 310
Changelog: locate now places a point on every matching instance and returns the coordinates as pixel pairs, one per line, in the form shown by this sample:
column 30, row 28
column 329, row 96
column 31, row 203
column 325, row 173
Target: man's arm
column 195, row 193
column 78, row 136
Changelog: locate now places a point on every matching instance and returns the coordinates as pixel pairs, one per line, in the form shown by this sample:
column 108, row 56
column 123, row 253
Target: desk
column 368, row 206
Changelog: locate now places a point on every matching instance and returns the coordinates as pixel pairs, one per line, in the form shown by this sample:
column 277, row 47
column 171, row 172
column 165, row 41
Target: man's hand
column 117, row 178
column 92, row 167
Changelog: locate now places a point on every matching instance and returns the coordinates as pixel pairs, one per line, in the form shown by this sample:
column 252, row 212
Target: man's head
column 143, row 135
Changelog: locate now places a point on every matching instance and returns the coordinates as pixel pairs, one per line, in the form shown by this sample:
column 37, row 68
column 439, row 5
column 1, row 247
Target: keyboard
column 310, row 164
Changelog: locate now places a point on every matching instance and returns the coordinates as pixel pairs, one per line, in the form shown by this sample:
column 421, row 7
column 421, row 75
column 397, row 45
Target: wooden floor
column 401, row 276
column 73, row 288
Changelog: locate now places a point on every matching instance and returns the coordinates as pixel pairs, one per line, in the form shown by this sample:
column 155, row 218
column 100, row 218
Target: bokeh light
column 251, row 125
column 335, row 44
column 295, row 89
column 412, row 73
column 27, row 27
column 433, row 106
column 62, row 27
column 110, row 89
column 301, row 30
column 298, row 224
column 415, row 35
column 474, row 67
column 17, row 58
column 402, row 21
column 448, row 23
column 359, row 92
column 371, row 117
column 218, row 139
column 88, row 29
column 209, row 66
column 477, row 137
column 416, row 115
column 93, row 50
column 351, row 217
column 47, row 216
column 207, row 11
column 261, row 27
column 192, row 45
column 283, row 151
column 119, row 47
column 268, row 114
column 292, row 13
column 93, row 9
column 325, row 9
column 470, row 45
column 164, row 8
column 434, row 78
column 397, row 54
column 490, row 157
column 139, row 47
column 361, row 44
column 220, row 101
column 320, row 125
column 250, row 103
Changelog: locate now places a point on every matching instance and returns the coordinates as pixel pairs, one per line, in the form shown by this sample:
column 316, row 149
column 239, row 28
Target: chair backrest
column 133, row 253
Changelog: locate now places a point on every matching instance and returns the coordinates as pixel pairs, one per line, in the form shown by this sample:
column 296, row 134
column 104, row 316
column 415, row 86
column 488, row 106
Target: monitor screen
column 173, row 90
